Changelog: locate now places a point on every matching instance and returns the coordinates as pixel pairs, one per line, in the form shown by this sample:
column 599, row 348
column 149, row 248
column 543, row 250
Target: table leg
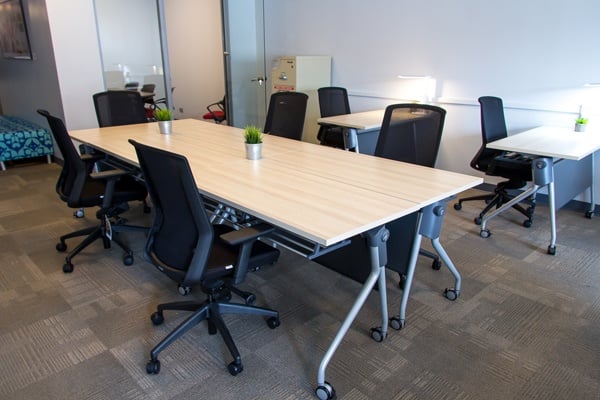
column 350, row 139
column 2, row 166
column 376, row 240
column 552, row 210
column 590, row 212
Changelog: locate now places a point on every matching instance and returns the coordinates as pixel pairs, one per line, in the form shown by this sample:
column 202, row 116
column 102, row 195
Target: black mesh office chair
column 332, row 101
column 286, row 113
column 79, row 187
column 514, row 167
column 190, row 250
column 119, row 107
column 412, row 133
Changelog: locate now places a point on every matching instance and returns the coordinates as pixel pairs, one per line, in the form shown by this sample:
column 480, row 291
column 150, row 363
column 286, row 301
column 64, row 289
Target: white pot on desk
column 164, row 127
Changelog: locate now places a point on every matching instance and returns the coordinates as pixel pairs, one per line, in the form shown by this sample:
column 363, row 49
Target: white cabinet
column 303, row 74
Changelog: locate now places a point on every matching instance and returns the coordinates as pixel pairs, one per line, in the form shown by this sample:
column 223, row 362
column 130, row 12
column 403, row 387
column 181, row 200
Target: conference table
column 562, row 156
column 354, row 122
column 316, row 196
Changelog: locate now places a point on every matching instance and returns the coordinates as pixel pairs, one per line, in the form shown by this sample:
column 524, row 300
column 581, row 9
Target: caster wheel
column 402, row 282
column 451, row 294
column 436, row 264
column 184, row 290
column 128, row 260
column 68, row 268
column 250, row 299
column 552, row 250
column 62, row 247
column 377, row 335
column 325, row 391
column 79, row 213
column 157, row 318
column 527, row 223
column 477, row 220
column 589, row 214
column 153, row 367
column 485, row 233
column 234, row 368
column 397, row 323
column 273, row 322
column 458, row 206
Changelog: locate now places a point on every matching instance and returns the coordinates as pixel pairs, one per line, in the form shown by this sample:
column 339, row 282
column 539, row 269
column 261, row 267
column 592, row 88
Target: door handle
column 260, row 80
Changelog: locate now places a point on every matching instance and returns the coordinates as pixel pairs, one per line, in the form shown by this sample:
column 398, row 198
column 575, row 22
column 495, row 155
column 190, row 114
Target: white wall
column 77, row 59
column 535, row 54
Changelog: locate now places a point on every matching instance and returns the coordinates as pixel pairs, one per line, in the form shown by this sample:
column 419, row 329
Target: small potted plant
column 253, row 141
column 164, row 118
column 580, row 124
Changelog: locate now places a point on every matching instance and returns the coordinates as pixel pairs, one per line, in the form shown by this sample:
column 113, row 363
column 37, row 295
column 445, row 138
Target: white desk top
column 363, row 120
column 316, row 192
column 549, row 141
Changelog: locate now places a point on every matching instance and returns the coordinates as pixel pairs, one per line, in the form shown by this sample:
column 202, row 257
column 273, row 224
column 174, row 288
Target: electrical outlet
column 180, row 109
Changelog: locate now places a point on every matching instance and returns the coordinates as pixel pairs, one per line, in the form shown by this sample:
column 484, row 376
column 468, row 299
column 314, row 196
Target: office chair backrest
column 493, row 127
column 74, row 172
column 119, row 107
column 411, row 133
column 181, row 236
column 333, row 101
column 286, row 113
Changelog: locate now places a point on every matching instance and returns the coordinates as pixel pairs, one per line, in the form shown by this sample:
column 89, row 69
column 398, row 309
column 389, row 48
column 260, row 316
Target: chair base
column 212, row 311
column 497, row 199
column 94, row 233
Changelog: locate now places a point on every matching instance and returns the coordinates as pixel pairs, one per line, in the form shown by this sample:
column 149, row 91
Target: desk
column 554, row 146
column 354, row 122
column 287, row 189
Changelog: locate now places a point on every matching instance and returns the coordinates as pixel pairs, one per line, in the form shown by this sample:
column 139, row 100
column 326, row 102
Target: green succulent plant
column 252, row 135
column 581, row 120
column 163, row 115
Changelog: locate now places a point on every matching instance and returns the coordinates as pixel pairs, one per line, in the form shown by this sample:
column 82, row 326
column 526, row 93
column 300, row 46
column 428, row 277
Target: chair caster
column 325, row 391
column 527, row 223
column 457, row 206
column 157, row 318
column 68, row 268
column 128, row 260
column 183, row 290
column 61, row 247
column 377, row 334
column 80, row 213
column 451, row 294
column 436, row 264
column 273, row 322
column 589, row 214
column 477, row 220
column 153, row 367
column 235, row 368
column 485, row 233
column 552, row 250
column 397, row 323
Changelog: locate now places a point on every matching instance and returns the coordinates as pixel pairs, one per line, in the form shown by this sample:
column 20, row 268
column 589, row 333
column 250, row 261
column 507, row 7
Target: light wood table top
column 365, row 120
column 319, row 193
column 550, row 141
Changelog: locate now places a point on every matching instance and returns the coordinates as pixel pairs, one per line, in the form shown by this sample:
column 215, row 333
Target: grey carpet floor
column 526, row 326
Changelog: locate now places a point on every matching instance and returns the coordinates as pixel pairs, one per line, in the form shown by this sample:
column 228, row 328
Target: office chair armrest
column 244, row 235
column 91, row 157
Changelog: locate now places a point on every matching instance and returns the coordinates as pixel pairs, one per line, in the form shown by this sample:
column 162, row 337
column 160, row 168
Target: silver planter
column 164, row 127
column 253, row 151
column 579, row 127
